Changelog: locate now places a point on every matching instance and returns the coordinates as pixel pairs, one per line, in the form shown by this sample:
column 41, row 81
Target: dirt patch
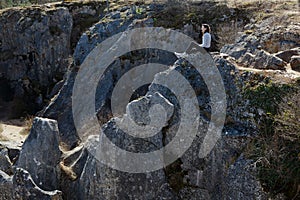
column 14, row 133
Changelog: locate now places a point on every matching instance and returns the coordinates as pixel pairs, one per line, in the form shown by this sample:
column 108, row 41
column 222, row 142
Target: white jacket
column 206, row 40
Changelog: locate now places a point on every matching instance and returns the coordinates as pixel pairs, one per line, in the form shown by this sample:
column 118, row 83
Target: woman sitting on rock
column 206, row 37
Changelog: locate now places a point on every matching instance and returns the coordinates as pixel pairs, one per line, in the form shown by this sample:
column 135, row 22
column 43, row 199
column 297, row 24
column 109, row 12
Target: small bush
column 228, row 32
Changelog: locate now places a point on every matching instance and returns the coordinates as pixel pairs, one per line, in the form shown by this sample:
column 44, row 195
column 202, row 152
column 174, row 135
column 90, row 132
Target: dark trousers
column 207, row 49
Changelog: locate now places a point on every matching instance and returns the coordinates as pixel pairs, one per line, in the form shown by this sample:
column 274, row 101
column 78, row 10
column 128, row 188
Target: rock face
column 21, row 186
column 240, row 182
column 6, row 186
column 60, row 108
column 279, row 38
column 42, row 166
column 35, row 45
column 190, row 176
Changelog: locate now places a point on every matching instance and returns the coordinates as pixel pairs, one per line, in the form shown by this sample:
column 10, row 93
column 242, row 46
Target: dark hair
column 207, row 27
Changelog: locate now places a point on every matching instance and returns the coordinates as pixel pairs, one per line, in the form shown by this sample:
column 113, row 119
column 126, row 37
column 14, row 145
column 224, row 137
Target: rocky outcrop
column 84, row 177
column 60, row 108
column 245, row 43
column 42, row 166
column 36, row 44
column 278, row 38
column 34, row 51
column 81, row 171
column 262, row 60
column 264, row 50
column 241, row 183
column 273, row 37
column 248, row 52
column 190, row 176
column 21, row 186
column 35, row 175
column 6, row 186
column 103, row 30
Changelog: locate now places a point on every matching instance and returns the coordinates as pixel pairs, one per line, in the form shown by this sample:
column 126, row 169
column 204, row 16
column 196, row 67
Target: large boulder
column 188, row 177
column 40, row 154
column 87, row 178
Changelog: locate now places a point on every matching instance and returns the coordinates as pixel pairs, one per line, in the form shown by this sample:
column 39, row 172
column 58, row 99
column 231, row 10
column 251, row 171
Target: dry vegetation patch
column 276, row 148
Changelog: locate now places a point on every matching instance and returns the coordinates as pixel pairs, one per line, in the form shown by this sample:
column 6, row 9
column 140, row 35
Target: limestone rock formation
column 265, row 50
column 60, row 108
column 263, row 60
column 56, row 162
column 35, row 46
column 42, row 166
column 36, row 174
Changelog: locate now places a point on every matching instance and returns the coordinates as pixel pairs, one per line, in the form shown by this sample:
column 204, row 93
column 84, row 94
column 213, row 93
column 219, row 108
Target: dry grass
column 28, row 124
column 276, row 148
column 228, row 32
column 68, row 171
